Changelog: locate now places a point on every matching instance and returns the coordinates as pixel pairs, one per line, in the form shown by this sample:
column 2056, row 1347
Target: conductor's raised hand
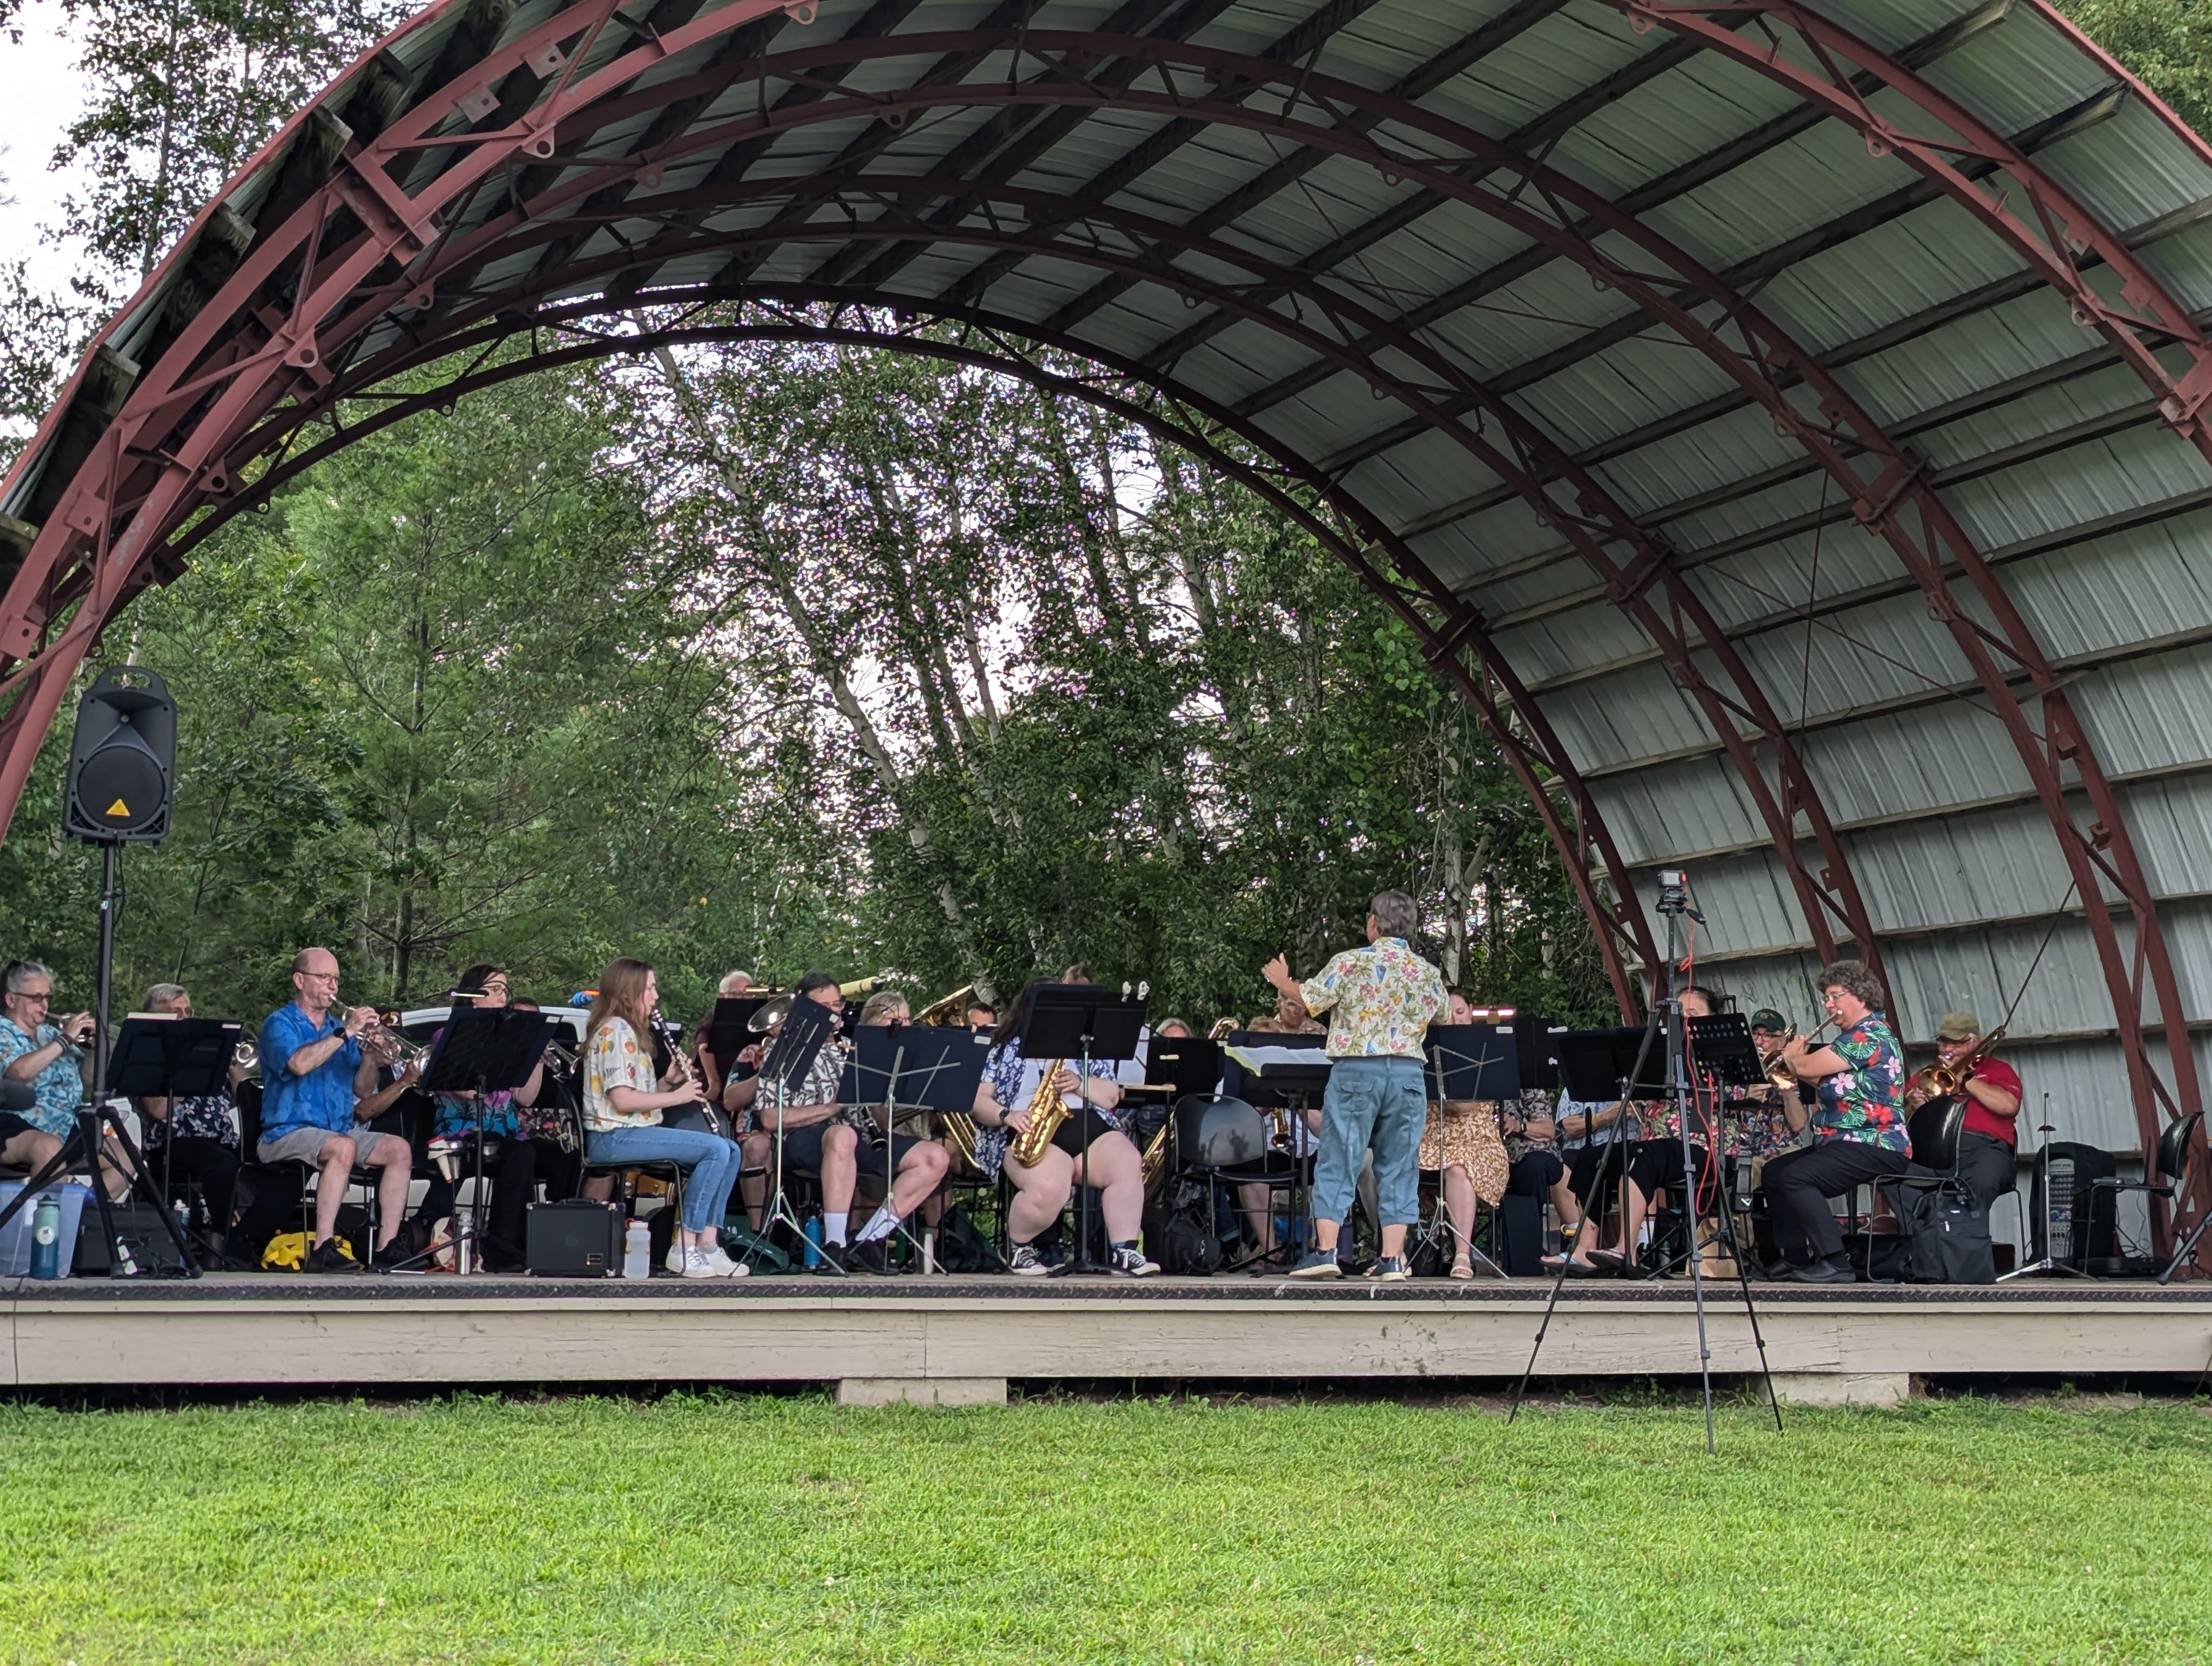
column 1277, row 972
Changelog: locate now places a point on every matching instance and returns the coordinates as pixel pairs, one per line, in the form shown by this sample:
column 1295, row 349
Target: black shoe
column 835, row 1258
column 874, row 1256
column 327, row 1257
column 1824, row 1272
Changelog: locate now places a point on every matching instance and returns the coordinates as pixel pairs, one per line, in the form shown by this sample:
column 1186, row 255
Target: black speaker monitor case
column 123, row 759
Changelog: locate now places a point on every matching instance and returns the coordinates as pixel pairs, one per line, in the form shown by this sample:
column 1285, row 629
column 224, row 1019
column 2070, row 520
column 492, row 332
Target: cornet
column 246, row 1057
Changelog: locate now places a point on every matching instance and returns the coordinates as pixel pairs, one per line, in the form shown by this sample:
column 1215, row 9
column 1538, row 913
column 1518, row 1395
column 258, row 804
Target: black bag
column 146, row 1240
column 961, row 1245
column 1180, row 1229
column 1950, row 1235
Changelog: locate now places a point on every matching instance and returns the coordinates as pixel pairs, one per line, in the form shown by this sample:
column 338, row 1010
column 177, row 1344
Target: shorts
column 305, row 1144
column 11, row 1125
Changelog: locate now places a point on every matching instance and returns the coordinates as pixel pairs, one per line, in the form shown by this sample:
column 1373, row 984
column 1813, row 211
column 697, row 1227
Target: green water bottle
column 47, row 1240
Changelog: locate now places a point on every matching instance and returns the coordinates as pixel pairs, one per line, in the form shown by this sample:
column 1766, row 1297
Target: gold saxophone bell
column 1156, row 1156
column 1048, row 1109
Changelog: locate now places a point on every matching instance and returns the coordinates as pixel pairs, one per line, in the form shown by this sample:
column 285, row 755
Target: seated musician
column 529, row 1148
column 1764, row 1120
column 55, row 1058
column 1174, row 1030
column 1534, row 1167
column 917, row 1166
column 312, row 1072
column 1858, row 1126
column 1988, row 1139
column 981, row 1015
column 734, row 984
column 1043, row 1190
column 1461, row 1145
column 623, row 1104
column 386, row 1101
column 1290, row 1018
column 1653, row 1161
column 824, row 1138
column 195, row 1138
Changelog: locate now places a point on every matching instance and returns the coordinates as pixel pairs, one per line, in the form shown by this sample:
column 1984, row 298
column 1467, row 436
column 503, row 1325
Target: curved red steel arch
column 173, row 446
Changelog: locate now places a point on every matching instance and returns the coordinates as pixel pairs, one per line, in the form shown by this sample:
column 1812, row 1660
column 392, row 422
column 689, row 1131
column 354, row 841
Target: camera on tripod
column 1673, row 891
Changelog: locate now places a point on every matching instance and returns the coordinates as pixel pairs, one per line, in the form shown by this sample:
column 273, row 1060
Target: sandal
column 1463, row 1271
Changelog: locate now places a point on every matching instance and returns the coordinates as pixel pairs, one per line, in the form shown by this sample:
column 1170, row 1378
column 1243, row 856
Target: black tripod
column 1667, row 1018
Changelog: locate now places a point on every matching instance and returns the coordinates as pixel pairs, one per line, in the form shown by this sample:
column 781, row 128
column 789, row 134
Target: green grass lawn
column 762, row 1529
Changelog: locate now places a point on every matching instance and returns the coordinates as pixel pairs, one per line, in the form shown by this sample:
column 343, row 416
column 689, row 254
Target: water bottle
column 814, row 1242
column 637, row 1250
column 929, row 1249
column 47, row 1240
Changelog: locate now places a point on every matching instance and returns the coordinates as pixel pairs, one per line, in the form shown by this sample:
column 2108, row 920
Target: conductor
column 1381, row 1000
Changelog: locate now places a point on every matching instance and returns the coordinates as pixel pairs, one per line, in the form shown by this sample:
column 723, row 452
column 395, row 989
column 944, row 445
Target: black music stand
column 1174, row 1066
column 1090, row 1022
column 729, row 1030
column 159, row 1057
column 481, row 1051
column 1293, row 1089
column 807, row 1028
column 1469, row 1061
column 912, row 1067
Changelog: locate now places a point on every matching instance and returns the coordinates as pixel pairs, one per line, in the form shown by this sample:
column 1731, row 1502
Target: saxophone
column 1048, row 1110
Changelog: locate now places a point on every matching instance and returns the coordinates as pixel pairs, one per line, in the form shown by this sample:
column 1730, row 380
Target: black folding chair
column 2172, row 1168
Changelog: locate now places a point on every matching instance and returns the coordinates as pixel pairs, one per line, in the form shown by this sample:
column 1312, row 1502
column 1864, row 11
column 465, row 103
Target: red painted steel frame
column 166, row 452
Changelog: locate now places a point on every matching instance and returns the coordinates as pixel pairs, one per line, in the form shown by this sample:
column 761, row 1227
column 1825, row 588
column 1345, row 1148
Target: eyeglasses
column 321, row 977
column 41, row 996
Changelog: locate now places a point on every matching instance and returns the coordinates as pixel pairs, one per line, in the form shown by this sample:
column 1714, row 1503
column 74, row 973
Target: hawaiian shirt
column 60, row 1085
column 203, row 1117
column 1763, row 1127
column 1865, row 1103
column 324, row 1098
column 1535, row 1106
column 611, row 1060
column 1002, row 1073
column 1384, row 998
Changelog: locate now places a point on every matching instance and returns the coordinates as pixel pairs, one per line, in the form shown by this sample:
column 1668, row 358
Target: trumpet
column 1780, row 1075
column 246, row 1057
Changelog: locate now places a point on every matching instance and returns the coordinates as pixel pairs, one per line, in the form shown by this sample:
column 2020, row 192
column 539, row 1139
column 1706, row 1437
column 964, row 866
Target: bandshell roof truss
column 1786, row 423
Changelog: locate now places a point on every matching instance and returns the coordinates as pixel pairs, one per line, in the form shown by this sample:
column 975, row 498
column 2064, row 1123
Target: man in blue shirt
column 311, row 1071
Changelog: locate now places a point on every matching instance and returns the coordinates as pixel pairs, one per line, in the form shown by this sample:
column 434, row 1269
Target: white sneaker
column 673, row 1261
column 724, row 1266
column 696, row 1266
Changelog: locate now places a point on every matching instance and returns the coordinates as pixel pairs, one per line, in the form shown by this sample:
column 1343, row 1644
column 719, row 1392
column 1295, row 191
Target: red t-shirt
column 1980, row 1119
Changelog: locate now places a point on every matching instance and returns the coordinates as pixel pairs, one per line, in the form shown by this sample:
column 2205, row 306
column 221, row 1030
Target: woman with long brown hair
column 622, row 1105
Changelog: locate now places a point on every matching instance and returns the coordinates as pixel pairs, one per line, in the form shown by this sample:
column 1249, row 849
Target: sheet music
column 1257, row 1060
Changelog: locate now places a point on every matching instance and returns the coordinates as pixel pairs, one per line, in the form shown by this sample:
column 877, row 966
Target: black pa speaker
column 578, row 1240
column 122, row 760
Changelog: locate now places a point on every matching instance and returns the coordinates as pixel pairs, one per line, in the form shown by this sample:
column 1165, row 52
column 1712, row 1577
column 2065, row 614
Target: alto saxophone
column 1048, row 1109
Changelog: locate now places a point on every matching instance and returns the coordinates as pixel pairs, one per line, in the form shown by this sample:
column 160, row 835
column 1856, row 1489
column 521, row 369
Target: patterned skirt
column 1464, row 1135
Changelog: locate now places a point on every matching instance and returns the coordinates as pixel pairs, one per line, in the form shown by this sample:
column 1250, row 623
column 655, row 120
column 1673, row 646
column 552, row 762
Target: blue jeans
column 1378, row 1103
column 712, row 1161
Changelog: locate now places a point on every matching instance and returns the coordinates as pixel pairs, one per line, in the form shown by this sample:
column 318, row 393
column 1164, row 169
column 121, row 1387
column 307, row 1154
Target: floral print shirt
column 1383, row 998
column 1535, row 1106
column 203, row 1117
column 614, row 1060
column 1865, row 1103
column 60, row 1085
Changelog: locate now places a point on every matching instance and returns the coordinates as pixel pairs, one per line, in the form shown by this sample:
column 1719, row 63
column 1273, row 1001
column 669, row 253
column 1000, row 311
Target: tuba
column 948, row 1011
column 1048, row 1109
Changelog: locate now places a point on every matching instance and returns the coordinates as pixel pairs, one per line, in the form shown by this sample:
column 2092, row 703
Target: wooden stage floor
column 961, row 1340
